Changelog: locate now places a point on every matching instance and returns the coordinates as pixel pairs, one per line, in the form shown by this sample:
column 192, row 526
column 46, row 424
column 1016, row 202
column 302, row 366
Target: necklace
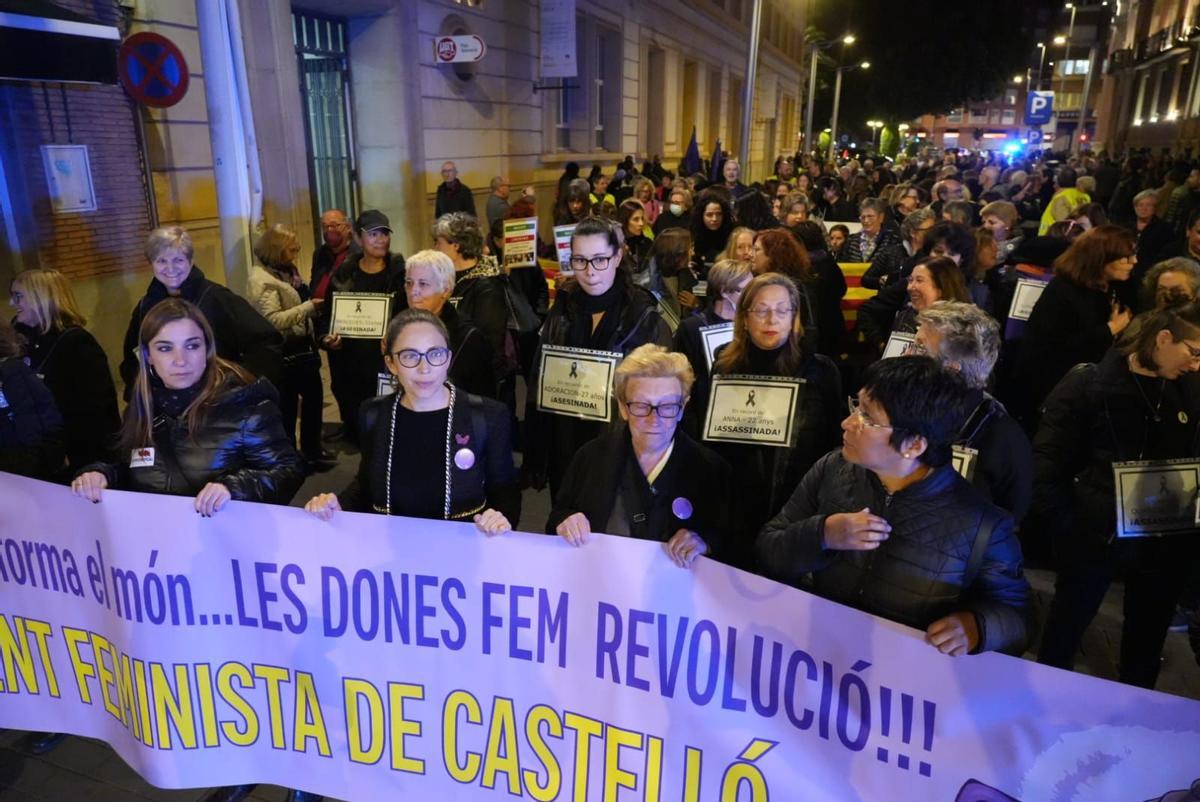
column 1162, row 392
column 392, row 446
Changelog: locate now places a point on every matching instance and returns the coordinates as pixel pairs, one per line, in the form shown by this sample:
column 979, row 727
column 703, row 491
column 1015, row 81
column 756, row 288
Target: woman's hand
column 332, row 342
column 956, row 634
column 684, row 547
column 1119, row 318
column 211, row 498
column 688, row 300
column 855, row 531
column 574, row 529
column 323, row 505
column 492, row 522
column 317, row 303
column 89, row 485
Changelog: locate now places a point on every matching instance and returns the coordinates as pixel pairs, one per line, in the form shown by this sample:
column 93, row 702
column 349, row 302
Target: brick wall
column 110, row 239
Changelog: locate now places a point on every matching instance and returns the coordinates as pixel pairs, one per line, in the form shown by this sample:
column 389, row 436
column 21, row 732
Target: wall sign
column 69, row 178
column 456, row 49
column 152, row 70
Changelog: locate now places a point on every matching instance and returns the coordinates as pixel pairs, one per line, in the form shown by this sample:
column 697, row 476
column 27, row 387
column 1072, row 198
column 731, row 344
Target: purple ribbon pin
column 464, row 458
column 682, row 508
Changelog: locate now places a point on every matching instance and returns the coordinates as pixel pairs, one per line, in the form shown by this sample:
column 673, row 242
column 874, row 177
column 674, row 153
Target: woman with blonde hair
column 737, row 249
column 643, row 190
column 197, row 424
column 281, row 296
column 70, row 361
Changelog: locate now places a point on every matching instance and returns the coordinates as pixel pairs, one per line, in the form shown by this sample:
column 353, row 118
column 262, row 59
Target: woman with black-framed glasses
column 648, row 479
column 430, row 450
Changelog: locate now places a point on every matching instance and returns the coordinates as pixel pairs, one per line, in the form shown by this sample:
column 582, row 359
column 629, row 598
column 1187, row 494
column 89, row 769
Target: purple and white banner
column 389, row 658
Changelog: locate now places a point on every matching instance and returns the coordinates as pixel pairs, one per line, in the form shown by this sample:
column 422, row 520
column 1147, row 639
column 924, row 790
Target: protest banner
column 388, row 658
column 520, row 243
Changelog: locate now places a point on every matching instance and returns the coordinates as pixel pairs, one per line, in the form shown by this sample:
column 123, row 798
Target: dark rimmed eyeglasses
column 668, row 410
column 410, row 357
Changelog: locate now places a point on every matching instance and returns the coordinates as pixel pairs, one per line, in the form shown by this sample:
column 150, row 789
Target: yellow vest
column 1073, row 198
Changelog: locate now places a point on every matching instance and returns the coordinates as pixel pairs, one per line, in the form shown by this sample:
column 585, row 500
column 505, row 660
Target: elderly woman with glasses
column 768, row 341
column 886, row 525
column 648, row 479
column 430, row 450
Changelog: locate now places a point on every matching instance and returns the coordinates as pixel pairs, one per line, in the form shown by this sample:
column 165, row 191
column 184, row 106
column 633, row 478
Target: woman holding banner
column 649, row 480
column 430, row 450
column 1115, row 463
column 598, row 316
column 770, row 447
column 196, row 424
column 886, row 525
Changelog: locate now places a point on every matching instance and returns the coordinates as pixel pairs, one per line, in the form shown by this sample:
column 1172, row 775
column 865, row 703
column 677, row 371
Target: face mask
column 676, row 209
column 333, row 238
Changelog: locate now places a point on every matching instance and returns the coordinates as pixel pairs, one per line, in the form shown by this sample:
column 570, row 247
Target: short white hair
column 437, row 261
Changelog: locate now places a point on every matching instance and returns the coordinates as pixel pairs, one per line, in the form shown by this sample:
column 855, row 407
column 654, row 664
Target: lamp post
column 751, row 67
column 874, row 125
column 1041, row 63
column 837, row 99
column 816, row 46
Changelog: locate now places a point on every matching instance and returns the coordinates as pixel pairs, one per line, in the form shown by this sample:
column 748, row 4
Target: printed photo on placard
column 577, row 382
column 360, row 314
column 756, row 410
column 1156, row 497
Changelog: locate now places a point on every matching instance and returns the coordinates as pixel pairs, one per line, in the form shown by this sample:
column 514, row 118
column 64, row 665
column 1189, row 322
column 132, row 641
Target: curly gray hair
column 461, row 229
column 970, row 339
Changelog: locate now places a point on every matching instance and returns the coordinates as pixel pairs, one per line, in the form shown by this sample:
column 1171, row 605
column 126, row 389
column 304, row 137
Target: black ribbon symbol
column 750, row 399
column 358, row 306
column 574, row 370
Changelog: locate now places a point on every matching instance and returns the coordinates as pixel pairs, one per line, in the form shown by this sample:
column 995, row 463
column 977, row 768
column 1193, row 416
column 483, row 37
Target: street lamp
column 1060, row 40
column 837, row 99
column 1017, row 79
column 817, row 45
column 874, row 125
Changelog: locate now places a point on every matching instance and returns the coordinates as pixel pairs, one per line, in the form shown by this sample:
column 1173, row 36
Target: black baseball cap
column 372, row 219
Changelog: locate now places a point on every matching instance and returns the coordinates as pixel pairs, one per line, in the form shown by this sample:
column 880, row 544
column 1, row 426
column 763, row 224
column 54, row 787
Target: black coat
column 241, row 445
column 1094, row 417
column 1004, row 467
column 921, row 572
column 880, row 315
column 75, row 369
column 554, row 439
column 825, row 292
column 667, row 220
column 1068, row 325
column 242, row 334
column 491, row 482
column 455, row 198
column 31, row 429
column 471, row 367
column 1155, row 243
column 892, row 264
column 479, row 297
column 361, row 357
column 595, row 478
column 888, row 236
column 689, row 343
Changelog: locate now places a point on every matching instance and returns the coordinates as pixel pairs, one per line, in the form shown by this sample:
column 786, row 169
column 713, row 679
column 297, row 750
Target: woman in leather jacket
column 430, row 450
column 196, row 424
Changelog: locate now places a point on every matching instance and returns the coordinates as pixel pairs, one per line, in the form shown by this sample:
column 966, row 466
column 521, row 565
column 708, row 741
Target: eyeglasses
column 764, row 312
column 856, row 411
column 668, row 410
column 1193, row 352
column 410, row 357
column 595, row 263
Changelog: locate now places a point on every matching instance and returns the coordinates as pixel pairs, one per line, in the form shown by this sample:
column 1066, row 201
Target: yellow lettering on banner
column 107, row 677
column 403, row 727
column 585, row 730
column 502, row 733
column 308, row 722
column 744, row 771
column 615, row 777
column 691, row 774
column 273, row 676
column 129, row 707
column 534, row 719
column 208, row 707
column 173, row 706
column 143, row 700
column 354, row 691
column 18, row 657
column 468, row 771
column 83, row 669
column 226, row 674
column 653, row 769
column 42, row 631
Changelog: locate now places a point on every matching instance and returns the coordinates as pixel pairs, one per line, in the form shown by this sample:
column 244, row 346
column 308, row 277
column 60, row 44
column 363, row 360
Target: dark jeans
column 354, row 380
column 1154, row 579
column 300, row 387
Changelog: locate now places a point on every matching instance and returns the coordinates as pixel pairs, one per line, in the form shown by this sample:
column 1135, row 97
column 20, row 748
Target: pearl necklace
column 392, row 445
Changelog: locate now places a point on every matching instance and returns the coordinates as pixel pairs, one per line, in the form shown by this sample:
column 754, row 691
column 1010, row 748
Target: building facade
column 986, row 125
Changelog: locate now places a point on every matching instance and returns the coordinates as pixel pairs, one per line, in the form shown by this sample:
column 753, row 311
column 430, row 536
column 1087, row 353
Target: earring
column 907, row 455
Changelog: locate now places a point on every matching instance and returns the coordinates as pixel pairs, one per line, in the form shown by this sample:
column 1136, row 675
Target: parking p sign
column 1039, row 108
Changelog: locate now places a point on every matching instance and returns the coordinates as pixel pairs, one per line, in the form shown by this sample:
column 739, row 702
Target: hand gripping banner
column 389, row 658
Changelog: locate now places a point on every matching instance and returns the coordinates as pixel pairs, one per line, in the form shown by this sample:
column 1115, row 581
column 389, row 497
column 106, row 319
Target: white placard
column 385, row 383
column 898, row 343
column 577, row 382
column 964, row 459
column 69, row 178
column 558, row 39
column 562, row 246
column 360, row 314
column 1026, row 294
column 713, row 337
column 1156, row 497
column 520, row 242
column 700, row 290
column 756, row 410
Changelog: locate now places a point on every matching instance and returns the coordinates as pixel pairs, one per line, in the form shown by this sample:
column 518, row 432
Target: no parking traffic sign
column 152, row 70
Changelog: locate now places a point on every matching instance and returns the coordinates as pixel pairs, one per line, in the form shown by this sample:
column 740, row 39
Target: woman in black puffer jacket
column 197, row 425
column 1134, row 405
column 885, row 524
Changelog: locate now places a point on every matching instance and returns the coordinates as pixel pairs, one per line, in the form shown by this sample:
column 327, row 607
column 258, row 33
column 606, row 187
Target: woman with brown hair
column 778, row 251
column 672, row 275
column 933, row 279
column 70, row 362
column 196, row 424
column 768, row 341
column 1078, row 316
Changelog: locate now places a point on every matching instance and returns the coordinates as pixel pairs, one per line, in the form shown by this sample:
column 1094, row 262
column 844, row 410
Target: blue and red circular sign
column 152, row 70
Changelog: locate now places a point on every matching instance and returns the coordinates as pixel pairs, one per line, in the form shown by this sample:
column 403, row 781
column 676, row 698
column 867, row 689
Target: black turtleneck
column 764, row 362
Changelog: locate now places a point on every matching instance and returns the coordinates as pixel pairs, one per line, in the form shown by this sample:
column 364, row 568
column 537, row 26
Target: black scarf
column 172, row 402
column 610, row 303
